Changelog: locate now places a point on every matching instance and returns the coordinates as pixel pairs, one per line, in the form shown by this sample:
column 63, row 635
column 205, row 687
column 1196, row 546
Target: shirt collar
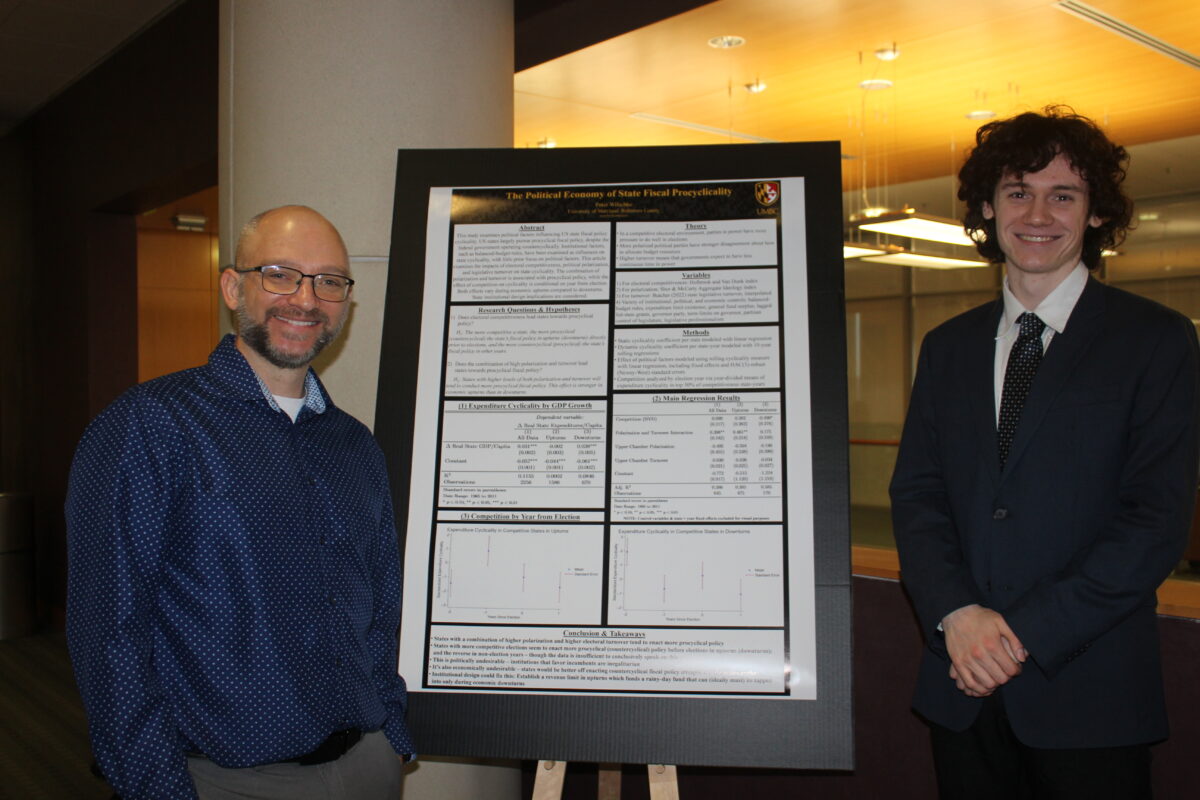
column 1054, row 310
column 314, row 400
column 231, row 366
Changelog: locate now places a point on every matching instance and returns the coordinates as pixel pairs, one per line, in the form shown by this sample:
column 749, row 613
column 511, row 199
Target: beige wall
column 316, row 96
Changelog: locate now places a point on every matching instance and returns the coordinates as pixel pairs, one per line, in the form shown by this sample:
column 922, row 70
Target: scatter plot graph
column 506, row 573
column 711, row 575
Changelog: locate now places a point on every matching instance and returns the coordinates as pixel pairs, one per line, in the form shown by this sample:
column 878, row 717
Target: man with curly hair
column 1045, row 482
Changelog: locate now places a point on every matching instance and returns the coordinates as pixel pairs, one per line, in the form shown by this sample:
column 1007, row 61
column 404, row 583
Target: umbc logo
column 767, row 192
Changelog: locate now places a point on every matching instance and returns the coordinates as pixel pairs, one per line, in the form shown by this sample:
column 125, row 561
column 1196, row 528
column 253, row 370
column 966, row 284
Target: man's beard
column 256, row 335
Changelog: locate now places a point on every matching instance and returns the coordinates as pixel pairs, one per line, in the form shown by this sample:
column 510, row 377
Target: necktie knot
column 1031, row 325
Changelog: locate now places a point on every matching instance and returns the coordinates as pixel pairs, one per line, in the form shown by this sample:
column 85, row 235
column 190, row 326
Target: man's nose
column 306, row 294
column 1038, row 212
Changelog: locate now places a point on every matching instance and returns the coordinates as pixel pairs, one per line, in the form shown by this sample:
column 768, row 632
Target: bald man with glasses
column 234, row 579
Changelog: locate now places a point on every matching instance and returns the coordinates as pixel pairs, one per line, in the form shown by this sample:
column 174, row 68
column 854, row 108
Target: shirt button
column 1000, row 513
column 322, row 538
column 332, row 600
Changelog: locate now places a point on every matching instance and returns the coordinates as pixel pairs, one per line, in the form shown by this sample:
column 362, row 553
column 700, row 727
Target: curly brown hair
column 1027, row 143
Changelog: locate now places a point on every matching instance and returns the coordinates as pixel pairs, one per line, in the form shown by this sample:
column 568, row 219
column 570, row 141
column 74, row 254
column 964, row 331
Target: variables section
column 697, row 297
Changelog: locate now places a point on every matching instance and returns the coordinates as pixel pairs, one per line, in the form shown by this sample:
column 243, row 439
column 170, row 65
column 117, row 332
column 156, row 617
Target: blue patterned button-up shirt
column 234, row 580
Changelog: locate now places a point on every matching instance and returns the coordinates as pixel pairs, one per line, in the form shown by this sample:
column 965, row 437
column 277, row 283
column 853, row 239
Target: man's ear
column 1094, row 221
column 229, row 288
column 988, row 213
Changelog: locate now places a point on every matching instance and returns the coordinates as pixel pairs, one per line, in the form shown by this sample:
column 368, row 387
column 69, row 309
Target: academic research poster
column 611, row 477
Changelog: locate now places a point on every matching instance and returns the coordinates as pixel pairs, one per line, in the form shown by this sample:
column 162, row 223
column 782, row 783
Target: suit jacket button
column 1000, row 513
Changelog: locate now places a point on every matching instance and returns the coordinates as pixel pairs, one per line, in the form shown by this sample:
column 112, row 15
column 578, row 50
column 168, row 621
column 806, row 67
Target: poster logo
column 766, row 192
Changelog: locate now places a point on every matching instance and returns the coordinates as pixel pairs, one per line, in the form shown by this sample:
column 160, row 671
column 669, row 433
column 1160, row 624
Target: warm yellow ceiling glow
column 1018, row 55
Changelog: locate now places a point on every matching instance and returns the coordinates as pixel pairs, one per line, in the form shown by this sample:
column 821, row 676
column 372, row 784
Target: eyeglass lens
column 285, row 280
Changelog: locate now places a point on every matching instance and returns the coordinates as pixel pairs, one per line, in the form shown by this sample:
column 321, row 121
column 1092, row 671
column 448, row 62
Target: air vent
column 1127, row 31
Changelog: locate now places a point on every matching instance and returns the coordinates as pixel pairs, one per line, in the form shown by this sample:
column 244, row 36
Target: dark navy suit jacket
column 1071, row 539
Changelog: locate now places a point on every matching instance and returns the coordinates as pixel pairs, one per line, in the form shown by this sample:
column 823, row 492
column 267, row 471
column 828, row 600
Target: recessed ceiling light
column 981, row 113
column 726, row 42
column 871, row 84
column 1148, row 216
column 758, row 87
column 888, row 53
column 547, row 143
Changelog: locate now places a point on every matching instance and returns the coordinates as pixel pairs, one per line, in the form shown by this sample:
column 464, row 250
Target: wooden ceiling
column 955, row 57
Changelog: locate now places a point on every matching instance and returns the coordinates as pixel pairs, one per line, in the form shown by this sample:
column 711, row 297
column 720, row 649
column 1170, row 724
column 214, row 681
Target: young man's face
column 1041, row 217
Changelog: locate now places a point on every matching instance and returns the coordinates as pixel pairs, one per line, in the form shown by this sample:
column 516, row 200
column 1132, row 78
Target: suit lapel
column 1062, row 355
column 979, row 377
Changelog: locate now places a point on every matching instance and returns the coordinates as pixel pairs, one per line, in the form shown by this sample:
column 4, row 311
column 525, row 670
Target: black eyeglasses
column 333, row 288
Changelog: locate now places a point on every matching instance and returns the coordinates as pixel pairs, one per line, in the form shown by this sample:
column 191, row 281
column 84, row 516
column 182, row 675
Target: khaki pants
column 371, row 770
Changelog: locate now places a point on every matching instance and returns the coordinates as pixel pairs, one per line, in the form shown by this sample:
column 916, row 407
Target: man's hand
column 984, row 651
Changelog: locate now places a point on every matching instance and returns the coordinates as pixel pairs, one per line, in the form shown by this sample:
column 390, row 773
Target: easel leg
column 549, row 781
column 608, row 783
column 664, row 785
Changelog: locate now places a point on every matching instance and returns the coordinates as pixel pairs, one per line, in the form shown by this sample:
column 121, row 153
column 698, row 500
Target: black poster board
column 737, row 729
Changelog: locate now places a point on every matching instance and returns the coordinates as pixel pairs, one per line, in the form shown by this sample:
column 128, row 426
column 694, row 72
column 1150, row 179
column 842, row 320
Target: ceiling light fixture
column 981, row 114
column 189, row 222
column 914, row 225
column 926, row 262
column 888, row 53
column 547, row 143
column 726, row 42
column 858, row 250
column 758, row 87
column 1126, row 31
column 873, row 84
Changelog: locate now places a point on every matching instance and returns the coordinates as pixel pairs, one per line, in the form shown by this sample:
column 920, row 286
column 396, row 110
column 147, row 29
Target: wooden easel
column 664, row 785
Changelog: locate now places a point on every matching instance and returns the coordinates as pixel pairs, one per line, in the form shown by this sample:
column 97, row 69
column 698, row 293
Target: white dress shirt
column 1054, row 310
